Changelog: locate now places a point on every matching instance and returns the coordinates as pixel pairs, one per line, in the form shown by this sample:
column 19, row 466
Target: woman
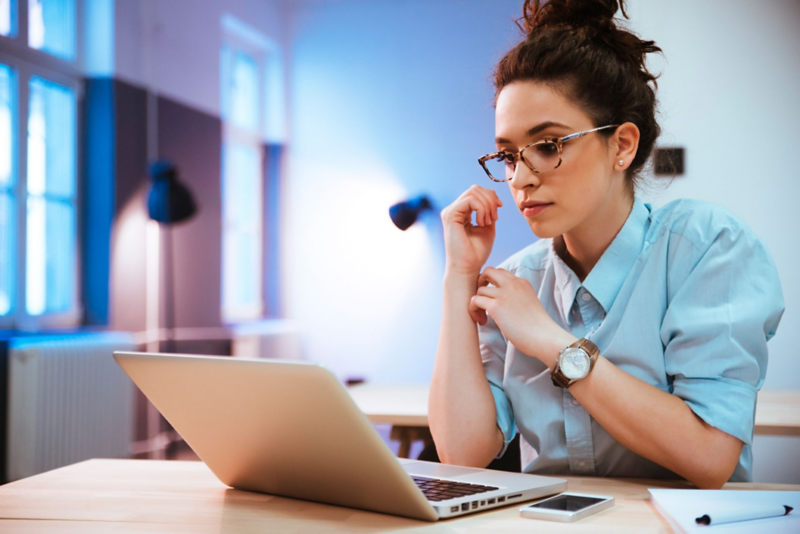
column 628, row 341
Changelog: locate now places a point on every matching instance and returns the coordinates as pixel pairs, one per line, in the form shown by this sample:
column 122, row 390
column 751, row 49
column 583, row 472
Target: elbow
column 710, row 483
column 715, row 476
column 466, row 457
column 468, row 451
column 715, row 463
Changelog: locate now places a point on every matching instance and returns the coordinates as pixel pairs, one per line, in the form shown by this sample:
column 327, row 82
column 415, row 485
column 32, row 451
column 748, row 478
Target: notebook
column 681, row 507
column 290, row 428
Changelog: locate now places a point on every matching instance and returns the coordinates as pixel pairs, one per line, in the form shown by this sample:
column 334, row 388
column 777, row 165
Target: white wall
column 173, row 46
column 729, row 96
column 389, row 99
column 392, row 98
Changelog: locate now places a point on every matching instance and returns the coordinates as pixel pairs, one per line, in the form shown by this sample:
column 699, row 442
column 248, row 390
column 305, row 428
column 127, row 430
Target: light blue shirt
column 685, row 298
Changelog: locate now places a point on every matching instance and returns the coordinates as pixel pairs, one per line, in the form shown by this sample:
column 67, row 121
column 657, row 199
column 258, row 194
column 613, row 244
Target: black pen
column 747, row 513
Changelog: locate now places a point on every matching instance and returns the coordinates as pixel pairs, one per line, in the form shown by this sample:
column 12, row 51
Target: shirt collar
column 567, row 282
column 606, row 278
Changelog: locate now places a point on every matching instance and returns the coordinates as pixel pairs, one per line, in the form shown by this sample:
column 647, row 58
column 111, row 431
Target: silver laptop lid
column 277, row 427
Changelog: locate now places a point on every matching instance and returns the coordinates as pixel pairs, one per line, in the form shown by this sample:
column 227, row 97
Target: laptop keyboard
column 442, row 490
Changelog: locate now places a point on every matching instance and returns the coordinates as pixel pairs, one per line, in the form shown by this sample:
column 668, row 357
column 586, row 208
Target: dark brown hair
column 576, row 47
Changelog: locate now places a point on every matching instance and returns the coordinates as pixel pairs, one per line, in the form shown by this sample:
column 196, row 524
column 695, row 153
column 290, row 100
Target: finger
column 491, row 199
column 479, row 316
column 481, row 208
column 461, row 210
column 494, row 276
column 486, row 197
column 489, row 291
column 477, row 309
column 498, row 203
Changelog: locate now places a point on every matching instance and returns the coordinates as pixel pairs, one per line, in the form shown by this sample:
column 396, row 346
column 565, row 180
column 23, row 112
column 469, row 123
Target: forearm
column 461, row 406
column 657, row 425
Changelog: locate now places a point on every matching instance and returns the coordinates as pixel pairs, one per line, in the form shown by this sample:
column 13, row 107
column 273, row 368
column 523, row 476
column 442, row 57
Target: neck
column 583, row 246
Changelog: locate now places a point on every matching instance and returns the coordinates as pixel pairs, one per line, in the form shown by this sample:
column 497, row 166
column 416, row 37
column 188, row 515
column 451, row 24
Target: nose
column 524, row 176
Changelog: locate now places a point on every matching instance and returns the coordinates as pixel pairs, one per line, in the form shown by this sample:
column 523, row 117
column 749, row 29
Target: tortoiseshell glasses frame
column 511, row 158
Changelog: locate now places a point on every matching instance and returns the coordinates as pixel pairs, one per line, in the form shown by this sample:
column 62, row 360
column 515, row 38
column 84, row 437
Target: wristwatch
column 575, row 362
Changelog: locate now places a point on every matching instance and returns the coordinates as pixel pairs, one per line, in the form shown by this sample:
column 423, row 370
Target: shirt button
column 575, row 402
column 586, row 297
column 582, row 463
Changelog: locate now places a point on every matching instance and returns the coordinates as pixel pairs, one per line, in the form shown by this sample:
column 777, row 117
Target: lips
column 531, row 208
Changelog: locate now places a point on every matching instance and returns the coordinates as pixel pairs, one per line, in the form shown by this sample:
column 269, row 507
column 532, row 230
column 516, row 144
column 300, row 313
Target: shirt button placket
column 580, row 444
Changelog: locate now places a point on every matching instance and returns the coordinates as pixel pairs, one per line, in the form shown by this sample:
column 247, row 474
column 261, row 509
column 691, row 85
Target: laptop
column 291, row 429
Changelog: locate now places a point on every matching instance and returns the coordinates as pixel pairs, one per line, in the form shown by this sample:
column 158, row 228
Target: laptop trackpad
column 437, row 470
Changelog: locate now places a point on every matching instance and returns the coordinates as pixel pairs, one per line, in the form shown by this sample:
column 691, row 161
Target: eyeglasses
column 539, row 156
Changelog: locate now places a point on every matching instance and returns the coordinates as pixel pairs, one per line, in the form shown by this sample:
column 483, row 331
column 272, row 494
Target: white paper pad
column 682, row 507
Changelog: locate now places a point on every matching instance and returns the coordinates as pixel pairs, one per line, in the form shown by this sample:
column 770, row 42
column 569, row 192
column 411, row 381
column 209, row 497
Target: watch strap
column 559, row 379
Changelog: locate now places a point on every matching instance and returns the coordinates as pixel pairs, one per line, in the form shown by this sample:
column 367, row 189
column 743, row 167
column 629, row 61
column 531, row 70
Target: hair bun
column 598, row 14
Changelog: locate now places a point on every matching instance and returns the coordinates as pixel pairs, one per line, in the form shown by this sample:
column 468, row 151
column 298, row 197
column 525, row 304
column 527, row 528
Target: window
column 51, row 27
column 6, row 20
column 38, row 165
column 7, row 200
column 253, row 130
column 51, row 211
column 242, row 179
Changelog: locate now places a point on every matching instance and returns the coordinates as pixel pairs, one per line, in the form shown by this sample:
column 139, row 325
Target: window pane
column 51, row 140
column 244, row 91
column 6, row 129
column 241, row 288
column 7, row 212
column 242, row 186
column 50, row 272
column 51, row 26
column 241, row 250
column 7, row 252
column 5, row 17
column 51, row 225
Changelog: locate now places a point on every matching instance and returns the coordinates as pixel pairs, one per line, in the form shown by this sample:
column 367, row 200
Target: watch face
column 574, row 363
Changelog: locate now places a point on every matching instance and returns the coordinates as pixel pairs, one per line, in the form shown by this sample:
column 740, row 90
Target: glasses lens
column 500, row 167
column 542, row 156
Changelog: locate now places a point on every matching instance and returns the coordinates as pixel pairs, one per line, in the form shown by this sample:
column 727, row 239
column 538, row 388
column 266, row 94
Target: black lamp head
column 169, row 200
column 404, row 214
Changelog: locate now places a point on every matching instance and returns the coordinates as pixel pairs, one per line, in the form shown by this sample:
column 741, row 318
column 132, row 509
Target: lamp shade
column 404, row 214
column 169, row 201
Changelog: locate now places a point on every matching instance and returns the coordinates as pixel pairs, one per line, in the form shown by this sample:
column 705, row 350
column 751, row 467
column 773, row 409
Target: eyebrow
column 533, row 131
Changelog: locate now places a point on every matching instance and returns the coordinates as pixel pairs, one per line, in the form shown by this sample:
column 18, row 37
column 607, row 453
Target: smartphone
column 567, row 507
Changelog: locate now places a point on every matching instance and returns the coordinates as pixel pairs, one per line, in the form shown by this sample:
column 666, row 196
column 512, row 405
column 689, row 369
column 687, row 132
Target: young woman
column 628, row 341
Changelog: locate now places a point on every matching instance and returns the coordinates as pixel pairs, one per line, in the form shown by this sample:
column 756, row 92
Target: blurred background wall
column 370, row 102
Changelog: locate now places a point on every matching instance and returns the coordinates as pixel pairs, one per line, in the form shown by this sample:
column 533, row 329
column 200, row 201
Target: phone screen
column 567, row 503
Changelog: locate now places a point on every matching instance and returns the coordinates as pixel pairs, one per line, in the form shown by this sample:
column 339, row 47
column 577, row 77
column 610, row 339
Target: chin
column 545, row 230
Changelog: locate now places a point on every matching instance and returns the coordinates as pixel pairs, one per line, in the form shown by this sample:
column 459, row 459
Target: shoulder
column 534, row 257
column 697, row 223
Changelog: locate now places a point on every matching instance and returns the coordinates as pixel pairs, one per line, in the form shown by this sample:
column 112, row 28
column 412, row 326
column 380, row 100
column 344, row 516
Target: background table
column 168, row 496
column 405, row 407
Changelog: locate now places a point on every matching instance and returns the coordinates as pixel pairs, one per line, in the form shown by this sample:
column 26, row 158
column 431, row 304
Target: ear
column 625, row 143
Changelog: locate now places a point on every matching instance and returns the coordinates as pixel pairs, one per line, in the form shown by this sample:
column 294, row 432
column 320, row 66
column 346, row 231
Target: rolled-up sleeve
column 493, row 347
column 723, row 308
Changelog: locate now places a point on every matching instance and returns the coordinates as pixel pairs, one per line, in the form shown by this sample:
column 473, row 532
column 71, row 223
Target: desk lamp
column 169, row 202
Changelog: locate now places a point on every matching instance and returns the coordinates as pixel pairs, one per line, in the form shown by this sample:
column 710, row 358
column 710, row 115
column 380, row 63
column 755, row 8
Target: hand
column 468, row 246
column 518, row 312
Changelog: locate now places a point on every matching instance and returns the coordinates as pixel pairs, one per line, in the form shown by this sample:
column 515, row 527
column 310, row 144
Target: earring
column 621, row 162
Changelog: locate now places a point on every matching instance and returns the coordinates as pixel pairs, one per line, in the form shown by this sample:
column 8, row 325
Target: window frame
column 26, row 63
column 235, row 134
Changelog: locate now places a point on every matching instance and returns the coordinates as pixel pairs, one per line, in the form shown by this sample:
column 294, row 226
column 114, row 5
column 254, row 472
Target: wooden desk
column 405, row 407
column 164, row 496
column 778, row 413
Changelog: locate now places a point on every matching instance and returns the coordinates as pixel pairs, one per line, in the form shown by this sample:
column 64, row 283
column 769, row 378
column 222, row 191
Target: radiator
column 68, row 401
